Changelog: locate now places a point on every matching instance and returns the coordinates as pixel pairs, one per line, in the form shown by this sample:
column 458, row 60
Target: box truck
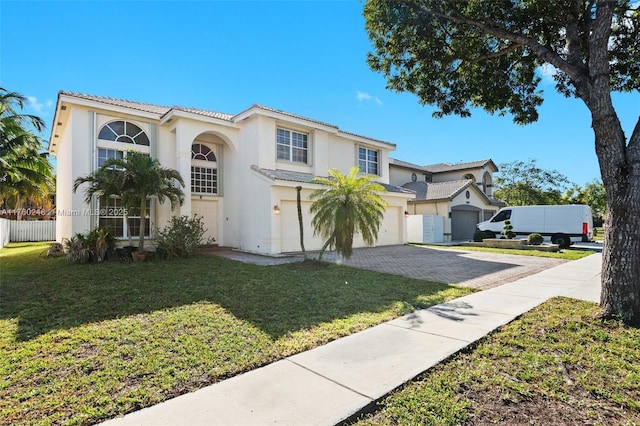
column 563, row 225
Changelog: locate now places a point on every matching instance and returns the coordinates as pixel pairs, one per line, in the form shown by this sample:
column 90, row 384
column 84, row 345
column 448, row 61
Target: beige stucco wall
column 399, row 176
column 243, row 209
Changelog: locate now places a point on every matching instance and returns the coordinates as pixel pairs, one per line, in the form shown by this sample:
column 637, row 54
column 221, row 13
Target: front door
column 208, row 210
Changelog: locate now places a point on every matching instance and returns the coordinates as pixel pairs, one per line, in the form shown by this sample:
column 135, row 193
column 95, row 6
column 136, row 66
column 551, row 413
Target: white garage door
column 290, row 228
column 208, row 209
column 390, row 231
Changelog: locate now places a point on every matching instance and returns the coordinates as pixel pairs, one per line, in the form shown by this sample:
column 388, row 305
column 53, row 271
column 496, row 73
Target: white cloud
column 548, row 71
column 38, row 107
column 365, row 97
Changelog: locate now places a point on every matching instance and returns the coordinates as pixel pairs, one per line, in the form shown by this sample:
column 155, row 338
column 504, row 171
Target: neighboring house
column 241, row 171
column 460, row 193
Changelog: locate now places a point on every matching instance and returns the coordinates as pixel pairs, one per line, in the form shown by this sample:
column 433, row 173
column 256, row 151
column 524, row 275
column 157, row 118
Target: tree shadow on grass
column 47, row 294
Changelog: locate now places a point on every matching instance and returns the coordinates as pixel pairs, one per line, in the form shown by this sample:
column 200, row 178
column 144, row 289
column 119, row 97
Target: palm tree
column 24, row 169
column 134, row 179
column 350, row 204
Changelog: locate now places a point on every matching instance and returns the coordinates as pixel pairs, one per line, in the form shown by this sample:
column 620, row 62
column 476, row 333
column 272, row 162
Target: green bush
column 181, row 237
column 535, row 239
column 100, row 241
column 77, row 249
column 507, row 230
column 478, row 236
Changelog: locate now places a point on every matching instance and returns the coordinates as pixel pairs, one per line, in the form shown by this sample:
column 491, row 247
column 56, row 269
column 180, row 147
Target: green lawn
column 562, row 254
column 556, row 365
column 83, row 343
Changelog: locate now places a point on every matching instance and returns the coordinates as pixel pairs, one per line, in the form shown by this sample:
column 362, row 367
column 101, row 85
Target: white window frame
column 283, row 134
column 116, row 212
column 365, row 163
column 208, row 166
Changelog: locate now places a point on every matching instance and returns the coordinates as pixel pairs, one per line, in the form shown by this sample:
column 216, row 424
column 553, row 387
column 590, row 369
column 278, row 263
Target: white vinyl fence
column 26, row 230
column 5, row 231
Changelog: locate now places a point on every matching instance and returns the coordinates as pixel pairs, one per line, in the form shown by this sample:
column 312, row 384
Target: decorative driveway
column 476, row 269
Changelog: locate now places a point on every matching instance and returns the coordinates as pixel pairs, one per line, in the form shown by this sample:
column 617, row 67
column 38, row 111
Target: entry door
column 208, row 210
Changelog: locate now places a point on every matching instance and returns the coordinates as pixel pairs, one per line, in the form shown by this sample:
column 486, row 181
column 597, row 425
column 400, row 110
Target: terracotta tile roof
column 163, row 110
column 146, row 107
column 139, row 106
column 322, row 123
column 291, row 176
column 266, row 108
column 212, row 114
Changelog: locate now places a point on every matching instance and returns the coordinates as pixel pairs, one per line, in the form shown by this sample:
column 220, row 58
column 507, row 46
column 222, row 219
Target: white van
column 563, row 225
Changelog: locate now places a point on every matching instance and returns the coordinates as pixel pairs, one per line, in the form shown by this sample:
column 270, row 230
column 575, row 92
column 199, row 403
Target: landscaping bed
column 515, row 244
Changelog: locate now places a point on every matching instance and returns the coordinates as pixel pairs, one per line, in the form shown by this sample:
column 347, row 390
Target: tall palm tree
column 134, row 179
column 350, row 204
column 24, row 168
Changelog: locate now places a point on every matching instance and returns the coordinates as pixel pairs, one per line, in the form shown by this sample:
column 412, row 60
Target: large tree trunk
column 620, row 168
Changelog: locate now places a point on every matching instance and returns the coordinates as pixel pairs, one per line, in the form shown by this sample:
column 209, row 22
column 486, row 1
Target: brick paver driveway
column 450, row 266
column 477, row 269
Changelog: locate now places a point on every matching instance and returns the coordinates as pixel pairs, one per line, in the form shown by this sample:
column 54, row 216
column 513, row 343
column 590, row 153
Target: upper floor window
column 204, row 171
column 107, row 154
column 202, row 152
column 123, row 131
column 292, row 146
column 368, row 161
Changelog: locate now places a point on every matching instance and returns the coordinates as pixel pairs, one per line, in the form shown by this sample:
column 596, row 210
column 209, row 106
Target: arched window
column 123, row 131
column 469, row 176
column 202, row 152
column 487, row 184
column 204, row 170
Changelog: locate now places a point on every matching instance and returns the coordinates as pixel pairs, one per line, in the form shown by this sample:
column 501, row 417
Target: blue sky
column 303, row 57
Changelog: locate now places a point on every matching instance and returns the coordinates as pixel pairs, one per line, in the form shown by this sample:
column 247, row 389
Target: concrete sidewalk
column 331, row 383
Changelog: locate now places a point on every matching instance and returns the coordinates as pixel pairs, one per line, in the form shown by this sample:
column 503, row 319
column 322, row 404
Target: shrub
column 100, row 240
column 507, row 230
column 77, row 249
column 535, row 239
column 478, row 236
column 181, row 237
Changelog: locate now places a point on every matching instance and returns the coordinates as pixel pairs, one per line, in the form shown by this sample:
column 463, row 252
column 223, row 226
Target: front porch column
column 183, row 165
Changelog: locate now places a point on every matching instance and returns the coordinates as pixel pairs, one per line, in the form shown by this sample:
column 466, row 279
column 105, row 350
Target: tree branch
column 578, row 75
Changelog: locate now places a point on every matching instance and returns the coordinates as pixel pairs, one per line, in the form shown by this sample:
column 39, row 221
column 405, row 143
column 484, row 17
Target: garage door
column 290, row 228
column 208, row 209
column 463, row 224
column 390, row 231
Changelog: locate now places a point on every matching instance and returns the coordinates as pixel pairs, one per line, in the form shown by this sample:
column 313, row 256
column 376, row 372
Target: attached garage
column 391, row 229
column 463, row 222
column 290, row 227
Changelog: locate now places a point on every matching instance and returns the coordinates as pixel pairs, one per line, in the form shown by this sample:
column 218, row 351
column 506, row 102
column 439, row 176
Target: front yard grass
column 84, row 343
column 556, row 365
column 562, row 254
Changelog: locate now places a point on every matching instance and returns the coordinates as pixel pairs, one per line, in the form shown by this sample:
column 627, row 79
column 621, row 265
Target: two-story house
column 460, row 193
column 241, row 170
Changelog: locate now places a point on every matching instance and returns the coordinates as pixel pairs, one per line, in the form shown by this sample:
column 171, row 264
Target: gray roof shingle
column 438, row 190
column 448, row 167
